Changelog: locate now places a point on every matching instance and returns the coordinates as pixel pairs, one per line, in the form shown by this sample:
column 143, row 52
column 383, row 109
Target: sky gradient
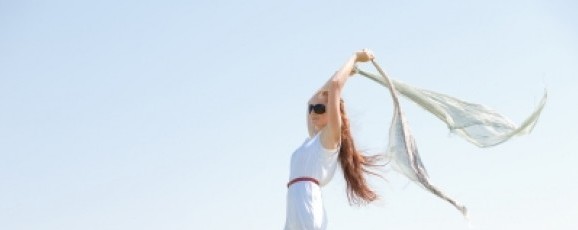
column 183, row 114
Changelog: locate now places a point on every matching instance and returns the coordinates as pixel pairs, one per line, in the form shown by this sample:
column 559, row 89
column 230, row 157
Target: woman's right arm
column 332, row 91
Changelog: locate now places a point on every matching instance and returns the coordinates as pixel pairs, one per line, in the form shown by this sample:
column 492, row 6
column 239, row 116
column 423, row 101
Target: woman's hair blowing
column 355, row 165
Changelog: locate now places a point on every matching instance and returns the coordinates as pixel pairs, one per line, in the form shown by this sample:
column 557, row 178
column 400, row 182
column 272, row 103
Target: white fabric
column 304, row 203
column 305, row 209
column 478, row 124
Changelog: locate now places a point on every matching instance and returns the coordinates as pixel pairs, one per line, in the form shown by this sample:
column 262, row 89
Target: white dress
column 305, row 209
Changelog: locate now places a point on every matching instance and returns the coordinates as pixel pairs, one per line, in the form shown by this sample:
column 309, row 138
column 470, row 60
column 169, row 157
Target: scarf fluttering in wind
column 476, row 123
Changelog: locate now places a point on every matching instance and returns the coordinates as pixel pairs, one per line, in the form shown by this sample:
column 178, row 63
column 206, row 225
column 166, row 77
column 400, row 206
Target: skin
column 329, row 123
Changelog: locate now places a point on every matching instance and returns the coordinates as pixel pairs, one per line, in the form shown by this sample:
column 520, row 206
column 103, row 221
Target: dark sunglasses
column 317, row 108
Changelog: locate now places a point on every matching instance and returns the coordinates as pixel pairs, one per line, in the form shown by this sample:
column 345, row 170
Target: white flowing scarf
column 476, row 123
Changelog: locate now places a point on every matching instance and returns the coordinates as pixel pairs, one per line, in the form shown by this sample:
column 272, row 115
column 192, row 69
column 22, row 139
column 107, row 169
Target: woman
column 314, row 163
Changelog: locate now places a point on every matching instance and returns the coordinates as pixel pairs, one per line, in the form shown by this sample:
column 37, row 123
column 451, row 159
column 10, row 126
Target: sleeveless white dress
column 305, row 209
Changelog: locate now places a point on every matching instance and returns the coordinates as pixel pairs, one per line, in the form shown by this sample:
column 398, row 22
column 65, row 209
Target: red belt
column 302, row 179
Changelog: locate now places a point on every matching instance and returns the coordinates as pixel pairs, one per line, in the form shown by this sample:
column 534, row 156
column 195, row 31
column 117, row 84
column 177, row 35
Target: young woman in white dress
column 329, row 144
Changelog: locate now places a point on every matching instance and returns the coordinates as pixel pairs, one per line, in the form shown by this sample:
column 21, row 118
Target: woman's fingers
column 364, row 55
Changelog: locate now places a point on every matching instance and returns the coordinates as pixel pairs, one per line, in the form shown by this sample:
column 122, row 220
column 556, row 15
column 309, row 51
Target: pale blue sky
column 183, row 114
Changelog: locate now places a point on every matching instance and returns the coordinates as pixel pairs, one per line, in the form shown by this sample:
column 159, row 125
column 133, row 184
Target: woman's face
column 318, row 120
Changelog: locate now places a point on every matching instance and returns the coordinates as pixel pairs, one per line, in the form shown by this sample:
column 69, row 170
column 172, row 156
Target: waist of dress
column 298, row 179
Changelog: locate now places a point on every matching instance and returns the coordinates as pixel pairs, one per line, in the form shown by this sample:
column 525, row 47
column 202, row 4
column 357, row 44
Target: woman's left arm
column 332, row 133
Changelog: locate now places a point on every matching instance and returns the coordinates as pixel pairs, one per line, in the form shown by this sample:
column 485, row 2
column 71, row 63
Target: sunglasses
column 317, row 108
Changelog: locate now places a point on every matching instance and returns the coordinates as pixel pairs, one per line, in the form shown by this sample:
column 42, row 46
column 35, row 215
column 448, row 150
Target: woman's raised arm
column 332, row 90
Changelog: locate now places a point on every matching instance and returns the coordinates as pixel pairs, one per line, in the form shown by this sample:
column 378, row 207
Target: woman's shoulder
column 327, row 144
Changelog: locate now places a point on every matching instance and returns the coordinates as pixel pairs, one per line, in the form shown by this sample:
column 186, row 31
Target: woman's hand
column 364, row 55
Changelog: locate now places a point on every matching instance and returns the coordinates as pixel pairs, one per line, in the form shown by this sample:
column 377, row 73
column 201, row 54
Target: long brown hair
column 355, row 165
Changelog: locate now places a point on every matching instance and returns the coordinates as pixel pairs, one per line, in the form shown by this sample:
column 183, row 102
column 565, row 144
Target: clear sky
column 183, row 114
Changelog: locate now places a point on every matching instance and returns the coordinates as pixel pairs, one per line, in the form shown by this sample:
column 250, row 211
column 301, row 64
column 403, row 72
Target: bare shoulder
column 327, row 141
